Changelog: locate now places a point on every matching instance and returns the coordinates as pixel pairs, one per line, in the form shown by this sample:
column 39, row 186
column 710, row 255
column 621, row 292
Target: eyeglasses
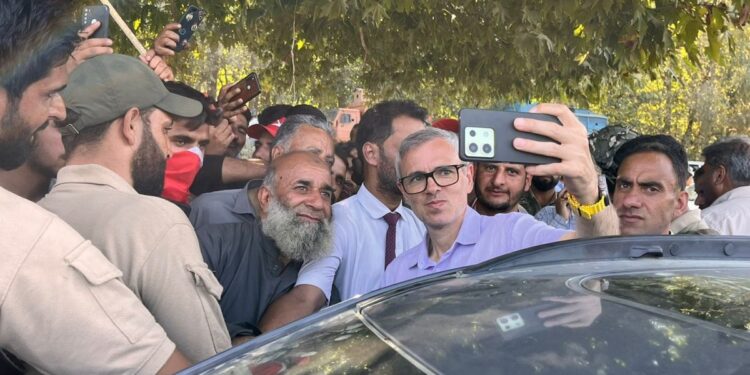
column 443, row 176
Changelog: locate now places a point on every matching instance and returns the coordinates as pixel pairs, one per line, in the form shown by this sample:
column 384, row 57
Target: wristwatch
column 587, row 211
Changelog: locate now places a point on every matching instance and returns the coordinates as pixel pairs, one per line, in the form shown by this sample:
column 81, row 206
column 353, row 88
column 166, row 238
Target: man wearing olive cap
column 116, row 139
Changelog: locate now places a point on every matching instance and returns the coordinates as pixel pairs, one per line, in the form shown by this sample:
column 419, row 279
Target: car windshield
column 720, row 297
column 546, row 320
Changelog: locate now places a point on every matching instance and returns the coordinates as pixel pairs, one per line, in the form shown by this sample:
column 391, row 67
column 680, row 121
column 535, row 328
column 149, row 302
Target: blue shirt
column 357, row 260
column 480, row 238
column 223, row 207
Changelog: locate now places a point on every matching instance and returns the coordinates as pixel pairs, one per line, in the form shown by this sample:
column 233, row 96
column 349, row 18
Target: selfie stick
column 124, row 27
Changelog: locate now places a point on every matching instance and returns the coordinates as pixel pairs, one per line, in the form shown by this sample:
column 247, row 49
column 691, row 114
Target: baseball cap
column 449, row 124
column 103, row 88
column 256, row 131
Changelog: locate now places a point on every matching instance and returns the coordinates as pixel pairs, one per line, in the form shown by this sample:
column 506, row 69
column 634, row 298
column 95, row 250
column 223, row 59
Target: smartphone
column 249, row 88
column 487, row 136
column 523, row 322
column 95, row 13
column 188, row 25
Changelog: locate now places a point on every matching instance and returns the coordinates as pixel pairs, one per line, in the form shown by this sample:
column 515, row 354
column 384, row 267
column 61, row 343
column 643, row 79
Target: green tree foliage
column 479, row 51
column 697, row 102
column 663, row 66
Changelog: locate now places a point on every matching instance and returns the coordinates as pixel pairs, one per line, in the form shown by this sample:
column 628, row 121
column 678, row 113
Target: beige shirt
column 730, row 213
column 63, row 308
column 153, row 243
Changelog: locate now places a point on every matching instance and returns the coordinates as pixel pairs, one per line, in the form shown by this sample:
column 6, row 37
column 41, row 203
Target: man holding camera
column 435, row 182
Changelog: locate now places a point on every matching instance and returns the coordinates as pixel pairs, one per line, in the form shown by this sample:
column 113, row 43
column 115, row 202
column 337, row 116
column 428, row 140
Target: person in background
column 650, row 187
column 435, row 183
column 299, row 133
column 264, row 132
column 342, row 175
column 257, row 261
column 108, row 192
column 362, row 245
column 542, row 193
column 723, row 186
column 498, row 188
column 49, row 268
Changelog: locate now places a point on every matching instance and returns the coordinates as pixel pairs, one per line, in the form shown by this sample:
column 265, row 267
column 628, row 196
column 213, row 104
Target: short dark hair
column 36, row 37
column 660, row 143
column 185, row 90
column 95, row 134
column 273, row 113
column 734, row 154
column 376, row 124
column 306, row 109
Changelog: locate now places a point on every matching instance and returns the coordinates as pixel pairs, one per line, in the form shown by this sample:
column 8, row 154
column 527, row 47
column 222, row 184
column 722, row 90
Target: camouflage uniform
column 604, row 144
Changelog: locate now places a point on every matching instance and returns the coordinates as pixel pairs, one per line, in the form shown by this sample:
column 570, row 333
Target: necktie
column 390, row 236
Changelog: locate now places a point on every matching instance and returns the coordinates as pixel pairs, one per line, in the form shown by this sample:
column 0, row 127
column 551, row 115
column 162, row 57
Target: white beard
column 296, row 239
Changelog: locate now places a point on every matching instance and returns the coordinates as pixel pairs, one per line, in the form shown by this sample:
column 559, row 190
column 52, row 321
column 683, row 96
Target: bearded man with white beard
column 258, row 261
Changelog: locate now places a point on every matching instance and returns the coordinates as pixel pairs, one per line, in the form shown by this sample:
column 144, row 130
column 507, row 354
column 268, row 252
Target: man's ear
column 470, row 177
column 720, row 176
column 131, row 126
column 371, row 154
column 276, row 151
column 264, row 199
column 682, row 204
column 527, row 183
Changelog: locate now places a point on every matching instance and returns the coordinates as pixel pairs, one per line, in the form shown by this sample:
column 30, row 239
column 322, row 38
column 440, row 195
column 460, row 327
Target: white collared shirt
column 357, row 261
column 730, row 213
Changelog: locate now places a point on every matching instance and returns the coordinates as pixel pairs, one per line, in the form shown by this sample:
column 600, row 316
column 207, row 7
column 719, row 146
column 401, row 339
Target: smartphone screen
column 487, row 136
column 95, row 13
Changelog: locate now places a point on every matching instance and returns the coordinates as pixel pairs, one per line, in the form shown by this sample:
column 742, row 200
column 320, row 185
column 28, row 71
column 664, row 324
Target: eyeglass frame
column 432, row 174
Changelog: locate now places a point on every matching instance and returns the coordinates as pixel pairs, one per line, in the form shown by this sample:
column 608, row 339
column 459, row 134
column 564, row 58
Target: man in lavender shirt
column 435, row 183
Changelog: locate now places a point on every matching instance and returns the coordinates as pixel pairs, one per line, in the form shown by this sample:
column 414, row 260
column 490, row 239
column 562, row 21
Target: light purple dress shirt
column 480, row 238
column 357, row 260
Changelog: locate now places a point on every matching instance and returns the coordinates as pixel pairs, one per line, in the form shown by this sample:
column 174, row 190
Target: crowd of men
column 136, row 239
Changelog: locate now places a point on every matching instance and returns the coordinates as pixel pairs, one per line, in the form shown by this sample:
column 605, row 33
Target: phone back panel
column 487, row 136
column 188, row 25
column 249, row 87
column 96, row 13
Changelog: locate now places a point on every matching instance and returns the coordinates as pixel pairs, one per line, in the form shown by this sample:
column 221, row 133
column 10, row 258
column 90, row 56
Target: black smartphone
column 487, row 136
column 95, row 13
column 523, row 322
column 249, row 88
column 188, row 25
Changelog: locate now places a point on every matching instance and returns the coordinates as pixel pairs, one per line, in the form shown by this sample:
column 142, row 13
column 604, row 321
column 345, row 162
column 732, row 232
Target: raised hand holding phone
column 167, row 40
column 570, row 146
column 89, row 47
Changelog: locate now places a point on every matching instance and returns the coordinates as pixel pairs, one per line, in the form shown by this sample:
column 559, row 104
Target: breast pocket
column 209, row 291
column 103, row 282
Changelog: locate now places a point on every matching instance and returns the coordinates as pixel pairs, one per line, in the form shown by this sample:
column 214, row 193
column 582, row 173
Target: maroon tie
column 390, row 237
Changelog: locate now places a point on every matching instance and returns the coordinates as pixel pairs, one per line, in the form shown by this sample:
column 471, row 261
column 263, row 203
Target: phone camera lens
column 473, row 147
column 487, row 148
column 472, row 133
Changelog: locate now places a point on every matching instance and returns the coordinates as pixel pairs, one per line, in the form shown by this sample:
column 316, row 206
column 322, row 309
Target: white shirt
column 357, row 261
column 730, row 213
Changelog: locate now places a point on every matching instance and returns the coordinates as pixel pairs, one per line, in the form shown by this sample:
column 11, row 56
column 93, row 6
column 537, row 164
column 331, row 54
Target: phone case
column 188, row 25
column 249, row 87
column 487, row 136
column 96, row 13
